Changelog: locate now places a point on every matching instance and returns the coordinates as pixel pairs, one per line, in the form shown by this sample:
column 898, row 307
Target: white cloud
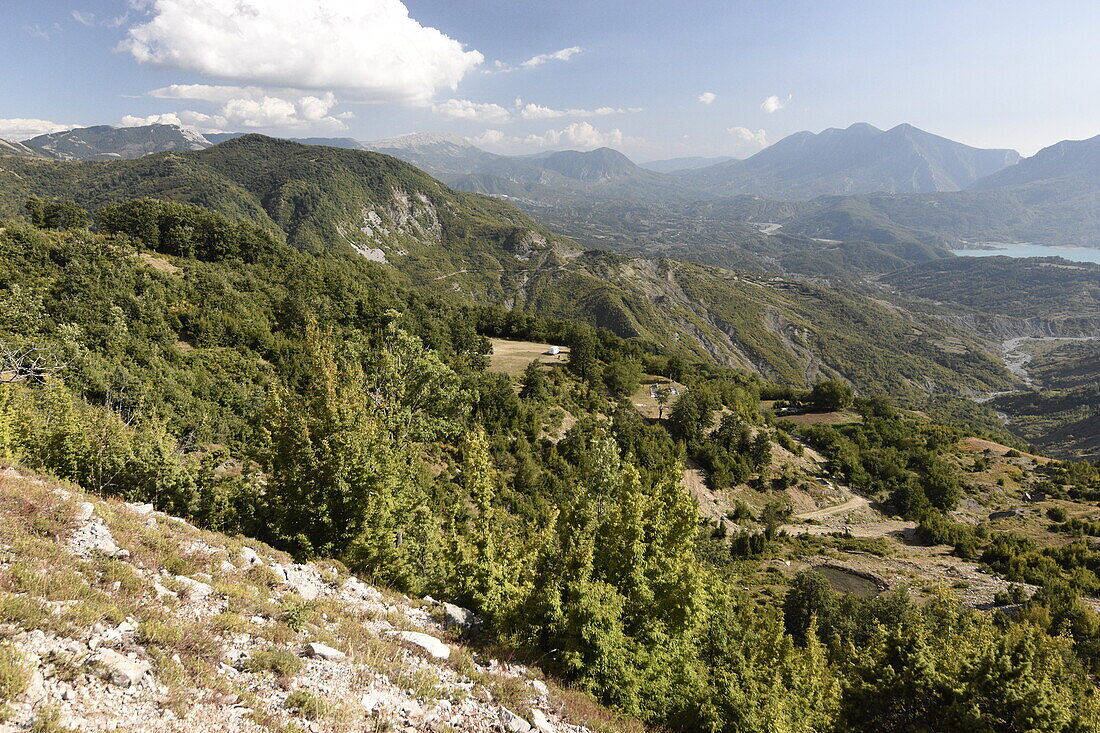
column 187, row 118
column 370, row 49
column 744, row 134
column 22, row 128
column 774, row 103
column 43, row 33
column 563, row 55
column 249, row 107
column 576, row 135
column 707, row 97
column 464, row 109
column 85, row 19
column 538, row 112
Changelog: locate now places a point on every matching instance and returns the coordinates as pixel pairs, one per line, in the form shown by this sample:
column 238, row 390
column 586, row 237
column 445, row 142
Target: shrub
column 307, row 704
column 281, row 663
column 13, row 674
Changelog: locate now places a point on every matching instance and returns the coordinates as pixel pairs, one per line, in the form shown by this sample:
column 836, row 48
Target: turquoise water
column 1077, row 254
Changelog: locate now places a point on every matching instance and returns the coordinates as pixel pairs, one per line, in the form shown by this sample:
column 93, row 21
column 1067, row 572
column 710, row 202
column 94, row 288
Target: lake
column 1077, row 254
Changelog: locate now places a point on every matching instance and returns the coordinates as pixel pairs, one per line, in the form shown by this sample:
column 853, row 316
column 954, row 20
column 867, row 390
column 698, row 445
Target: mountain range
column 104, row 142
column 484, row 248
column 858, row 159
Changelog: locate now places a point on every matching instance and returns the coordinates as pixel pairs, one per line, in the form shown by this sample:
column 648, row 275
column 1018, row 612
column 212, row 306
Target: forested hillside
column 318, row 198
column 318, row 401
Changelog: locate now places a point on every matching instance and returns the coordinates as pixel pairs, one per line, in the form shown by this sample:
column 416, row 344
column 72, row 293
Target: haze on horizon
column 654, row 80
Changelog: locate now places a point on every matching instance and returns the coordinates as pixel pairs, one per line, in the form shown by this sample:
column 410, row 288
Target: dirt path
column 856, row 502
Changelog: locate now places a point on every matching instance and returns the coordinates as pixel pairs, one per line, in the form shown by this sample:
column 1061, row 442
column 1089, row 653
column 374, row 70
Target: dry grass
column 831, row 417
column 512, row 357
column 643, row 398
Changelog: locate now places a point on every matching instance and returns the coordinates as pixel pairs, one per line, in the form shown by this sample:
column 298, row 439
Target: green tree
column 535, row 383
column 832, row 394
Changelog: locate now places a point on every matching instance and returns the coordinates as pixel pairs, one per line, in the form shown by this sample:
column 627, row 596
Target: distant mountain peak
column 104, row 142
column 418, row 140
column 858, row 159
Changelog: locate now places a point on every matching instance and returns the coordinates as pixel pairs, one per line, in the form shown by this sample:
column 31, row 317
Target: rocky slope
column 117, row 616
column 104, row 142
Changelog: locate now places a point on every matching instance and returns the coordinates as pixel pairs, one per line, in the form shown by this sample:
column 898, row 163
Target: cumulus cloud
column 194, row 120
column 531, row 111
column 563, row 55
column 370, row 49
column 575, row 135
column 774, row 103
column 745, row 135
column 248, row 107
column 707, row 97
column 464, row 109
column 22, row 128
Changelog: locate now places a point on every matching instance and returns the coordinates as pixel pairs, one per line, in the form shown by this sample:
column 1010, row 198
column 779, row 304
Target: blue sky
column 519, row 76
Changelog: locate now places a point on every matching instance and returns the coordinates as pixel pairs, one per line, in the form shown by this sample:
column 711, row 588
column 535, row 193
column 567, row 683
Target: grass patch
column 279, row 663
column 307, row 704
column 13, row 675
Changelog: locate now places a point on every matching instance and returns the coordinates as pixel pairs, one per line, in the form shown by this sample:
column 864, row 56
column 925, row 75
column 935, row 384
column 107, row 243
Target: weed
column 280, row 663
column 307, row 704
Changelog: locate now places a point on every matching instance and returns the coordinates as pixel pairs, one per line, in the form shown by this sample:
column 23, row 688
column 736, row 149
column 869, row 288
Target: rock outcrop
column 142, row 622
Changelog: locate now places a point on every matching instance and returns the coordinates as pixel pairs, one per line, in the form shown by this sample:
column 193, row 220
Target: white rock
column 248, row 556
column 428, row 643
column 324, row 651
column 85, row 511
column 121, row 671
column 461, row 618
column 540, row 687
column 513, row 722
column 142, row 510
column 163, row 592
column 541, row 722
column 303, row 580
column 357, row 589
column 196, row 589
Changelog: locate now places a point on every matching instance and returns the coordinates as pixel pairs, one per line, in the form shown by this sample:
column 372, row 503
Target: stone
column 541, row 722
column 85, row 511
column 357, row 589
column 142, row 510
column 163, row 592
column 303, row 580
column 247, row 556
column 196, row 590
column 460, row 618
column 539, row 686
column 323, row 651
column 121, row 670
column 428, row 643
column 513, row 722
column 226, row 567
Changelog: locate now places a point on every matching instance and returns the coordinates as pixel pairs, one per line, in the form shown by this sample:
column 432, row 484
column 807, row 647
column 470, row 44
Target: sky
column 653, row 79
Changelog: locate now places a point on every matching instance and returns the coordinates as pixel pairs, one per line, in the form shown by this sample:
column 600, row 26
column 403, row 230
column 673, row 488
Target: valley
column 700, row 404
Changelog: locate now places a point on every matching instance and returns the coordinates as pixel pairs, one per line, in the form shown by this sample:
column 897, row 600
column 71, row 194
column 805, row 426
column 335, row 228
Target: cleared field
column 644, row 400
column 512, row 357
column 839, row 417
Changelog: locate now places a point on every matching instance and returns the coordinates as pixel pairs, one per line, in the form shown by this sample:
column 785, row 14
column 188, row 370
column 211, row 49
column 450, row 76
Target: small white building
column 554, row 351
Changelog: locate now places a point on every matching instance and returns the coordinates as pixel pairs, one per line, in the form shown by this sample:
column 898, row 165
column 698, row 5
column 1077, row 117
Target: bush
column 307, row 704
column 13, row 675
column 280, row 663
